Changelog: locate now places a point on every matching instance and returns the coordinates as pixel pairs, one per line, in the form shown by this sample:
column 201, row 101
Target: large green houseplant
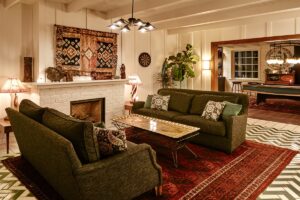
column 181, row 66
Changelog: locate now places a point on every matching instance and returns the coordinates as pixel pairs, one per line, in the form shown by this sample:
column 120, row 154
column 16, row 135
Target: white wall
column 10, row 49
column 287, row 23
column 133, row 44
column 53, row 13
column 27, row 30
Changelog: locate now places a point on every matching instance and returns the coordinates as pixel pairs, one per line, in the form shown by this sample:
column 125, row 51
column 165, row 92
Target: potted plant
column 181, row 65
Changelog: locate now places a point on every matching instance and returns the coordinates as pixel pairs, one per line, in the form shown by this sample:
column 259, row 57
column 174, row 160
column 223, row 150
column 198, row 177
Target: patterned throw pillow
column 160, row 102
column 110, row 141
column 213, row 110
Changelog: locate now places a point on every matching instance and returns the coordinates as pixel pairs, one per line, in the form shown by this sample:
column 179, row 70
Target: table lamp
column 134, row 80
column 13, row 86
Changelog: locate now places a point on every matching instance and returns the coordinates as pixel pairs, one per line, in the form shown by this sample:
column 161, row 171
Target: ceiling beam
column 197, row 7
column 236, row 13
column 10, row 3
column 77, row 5
column 140, row 6
column 263, row 19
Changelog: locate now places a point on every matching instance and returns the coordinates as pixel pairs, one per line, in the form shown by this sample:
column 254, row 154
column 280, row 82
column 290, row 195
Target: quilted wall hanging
column 85, row 50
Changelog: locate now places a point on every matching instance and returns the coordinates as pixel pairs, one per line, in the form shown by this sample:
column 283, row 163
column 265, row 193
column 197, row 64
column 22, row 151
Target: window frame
column 233, row 64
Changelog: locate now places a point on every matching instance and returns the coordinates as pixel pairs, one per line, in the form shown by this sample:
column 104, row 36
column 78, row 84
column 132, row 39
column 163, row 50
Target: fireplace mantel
column 77, row 84
column 59, row 95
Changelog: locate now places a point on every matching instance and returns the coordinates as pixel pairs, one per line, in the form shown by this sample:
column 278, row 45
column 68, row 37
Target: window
column 246, row 64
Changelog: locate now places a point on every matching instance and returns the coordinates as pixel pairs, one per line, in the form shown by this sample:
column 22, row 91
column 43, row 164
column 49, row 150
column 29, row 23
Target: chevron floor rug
column 285, row 186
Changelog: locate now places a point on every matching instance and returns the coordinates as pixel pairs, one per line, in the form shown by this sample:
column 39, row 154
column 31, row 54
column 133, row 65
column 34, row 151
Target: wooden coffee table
column 176, row 132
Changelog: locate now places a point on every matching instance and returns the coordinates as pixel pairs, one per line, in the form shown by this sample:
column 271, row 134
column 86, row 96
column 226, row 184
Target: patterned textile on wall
column 86, row 50
column 71, row 51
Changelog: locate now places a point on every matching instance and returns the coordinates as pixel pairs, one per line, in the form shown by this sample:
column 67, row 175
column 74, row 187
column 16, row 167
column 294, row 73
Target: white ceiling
column 177, row 13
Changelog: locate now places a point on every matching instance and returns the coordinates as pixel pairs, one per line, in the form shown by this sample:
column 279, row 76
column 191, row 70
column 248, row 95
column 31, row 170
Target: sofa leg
column 158, row 190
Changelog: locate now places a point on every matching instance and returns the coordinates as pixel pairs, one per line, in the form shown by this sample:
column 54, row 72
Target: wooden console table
column 6, row 127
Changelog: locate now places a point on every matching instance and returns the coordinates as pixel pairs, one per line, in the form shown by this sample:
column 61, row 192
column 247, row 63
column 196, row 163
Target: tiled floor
column 287, row 134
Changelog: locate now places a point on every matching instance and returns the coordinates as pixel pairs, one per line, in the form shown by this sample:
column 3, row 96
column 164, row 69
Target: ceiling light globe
column 113, row 26
column 125, row 29
column 139, row 22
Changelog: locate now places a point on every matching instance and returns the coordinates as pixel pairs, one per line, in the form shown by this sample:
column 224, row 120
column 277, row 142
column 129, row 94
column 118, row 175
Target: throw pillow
column 199, row 101
column 231, row 109
column 160, row 102
column 213, row 110
column 110, row 141
column 148, row 101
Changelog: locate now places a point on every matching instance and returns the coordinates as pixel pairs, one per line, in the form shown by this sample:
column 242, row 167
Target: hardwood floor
column 274, row 116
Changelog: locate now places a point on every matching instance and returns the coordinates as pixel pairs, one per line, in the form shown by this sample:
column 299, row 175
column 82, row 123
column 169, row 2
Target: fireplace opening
column 90, row 109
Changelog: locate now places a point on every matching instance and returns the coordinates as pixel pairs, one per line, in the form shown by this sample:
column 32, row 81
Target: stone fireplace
column 89, row 109
column 61, row 95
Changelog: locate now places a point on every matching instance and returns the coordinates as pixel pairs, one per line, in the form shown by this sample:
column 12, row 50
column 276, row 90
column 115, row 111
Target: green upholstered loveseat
column 186, row 107
column 121, row 176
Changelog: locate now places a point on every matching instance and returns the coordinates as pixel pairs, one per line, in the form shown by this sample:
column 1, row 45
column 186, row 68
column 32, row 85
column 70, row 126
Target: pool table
column 274, row 91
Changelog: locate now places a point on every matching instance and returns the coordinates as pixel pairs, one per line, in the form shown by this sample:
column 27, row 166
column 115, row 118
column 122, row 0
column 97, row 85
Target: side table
column 6, row 127
column 128, row 106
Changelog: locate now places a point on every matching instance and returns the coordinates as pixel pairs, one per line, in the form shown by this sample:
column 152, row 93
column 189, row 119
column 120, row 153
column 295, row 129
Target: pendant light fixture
column 124, row 25
column 276, row 57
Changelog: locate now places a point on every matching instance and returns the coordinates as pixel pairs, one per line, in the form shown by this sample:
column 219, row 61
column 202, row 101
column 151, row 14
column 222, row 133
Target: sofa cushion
column 205, row 125
column 199, row 102
column 110, row 141
column 179, row 101
column 79, row 132
column 166, row 115
column 231, row 109
column 148, row 101
column 160, row 102
column 31, row 110
column 213, row 110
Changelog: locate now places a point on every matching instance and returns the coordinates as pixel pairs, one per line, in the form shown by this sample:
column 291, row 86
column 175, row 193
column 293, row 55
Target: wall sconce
column 206, row 65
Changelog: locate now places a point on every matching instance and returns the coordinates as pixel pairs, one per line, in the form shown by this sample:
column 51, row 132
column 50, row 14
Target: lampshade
column 13, row 85
column 134, row 80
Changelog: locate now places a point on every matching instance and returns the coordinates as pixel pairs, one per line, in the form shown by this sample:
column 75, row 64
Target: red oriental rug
column 244, row 174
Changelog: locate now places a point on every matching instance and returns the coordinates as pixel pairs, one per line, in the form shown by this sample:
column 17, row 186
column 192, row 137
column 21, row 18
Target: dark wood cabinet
column 280, row 79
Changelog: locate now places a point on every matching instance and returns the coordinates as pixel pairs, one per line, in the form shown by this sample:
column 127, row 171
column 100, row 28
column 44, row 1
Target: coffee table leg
column 7, row 142
column 190, row 150
column 175, row 160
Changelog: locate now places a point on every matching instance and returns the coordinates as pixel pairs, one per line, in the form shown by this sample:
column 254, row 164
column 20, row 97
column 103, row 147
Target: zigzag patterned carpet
column 285, row 186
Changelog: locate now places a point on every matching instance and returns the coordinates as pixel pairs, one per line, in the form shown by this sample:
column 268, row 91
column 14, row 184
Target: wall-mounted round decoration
column 144, row 59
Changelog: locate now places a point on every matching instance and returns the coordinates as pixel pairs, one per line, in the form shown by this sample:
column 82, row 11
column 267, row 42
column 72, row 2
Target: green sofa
column 122, row 176
column 186, row 107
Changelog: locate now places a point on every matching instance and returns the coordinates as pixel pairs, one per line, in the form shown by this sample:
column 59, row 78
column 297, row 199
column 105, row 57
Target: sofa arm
column 137, row 105
column 236, row 130
column 122, row 176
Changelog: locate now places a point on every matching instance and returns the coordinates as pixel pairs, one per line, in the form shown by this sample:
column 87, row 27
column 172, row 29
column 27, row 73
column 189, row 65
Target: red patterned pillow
column 110, row 141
